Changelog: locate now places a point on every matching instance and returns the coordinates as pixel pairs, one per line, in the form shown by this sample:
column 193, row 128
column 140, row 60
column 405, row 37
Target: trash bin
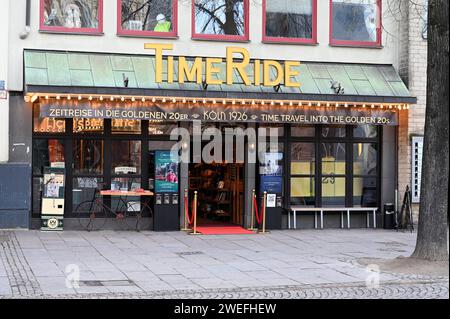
column 389, row 216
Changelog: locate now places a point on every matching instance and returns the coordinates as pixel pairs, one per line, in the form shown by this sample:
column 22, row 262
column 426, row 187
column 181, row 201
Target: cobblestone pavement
column 282, row 264
column 19, row 276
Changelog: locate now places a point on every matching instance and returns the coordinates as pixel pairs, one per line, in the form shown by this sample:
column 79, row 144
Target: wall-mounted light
column 143, row 99
column 79, row 97
column 101, row 98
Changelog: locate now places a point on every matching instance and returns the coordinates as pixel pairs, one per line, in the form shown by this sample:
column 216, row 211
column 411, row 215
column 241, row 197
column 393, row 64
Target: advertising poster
column 271, row 171
column 166, row 172
column 53, row 182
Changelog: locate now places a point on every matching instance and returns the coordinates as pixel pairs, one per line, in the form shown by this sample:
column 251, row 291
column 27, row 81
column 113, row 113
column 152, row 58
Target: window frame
column 65, row 30
column 281, row 40
column 361, row 44
column 149, row 34
column 222, row 37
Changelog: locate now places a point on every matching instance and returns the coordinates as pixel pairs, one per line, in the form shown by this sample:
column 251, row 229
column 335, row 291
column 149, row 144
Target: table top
column 337, row 209
column 126, row 193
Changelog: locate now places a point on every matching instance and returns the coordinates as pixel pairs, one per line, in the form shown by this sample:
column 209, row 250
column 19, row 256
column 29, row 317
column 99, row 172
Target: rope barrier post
column 252, row 223
column 264, row 214
column 186, row 211
column 195, row 214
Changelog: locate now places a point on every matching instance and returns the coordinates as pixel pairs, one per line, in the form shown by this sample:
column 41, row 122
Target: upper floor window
column 156, row 18
column 292, row 21
column 355, row 22
column 220, row 20
column 81, row 16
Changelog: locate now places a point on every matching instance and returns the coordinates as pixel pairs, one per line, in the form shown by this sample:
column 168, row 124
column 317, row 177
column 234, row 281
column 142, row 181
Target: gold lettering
column 239, row 66
column 193, row 74
column 268, row 81
column 289, row 73
column 159, row 58
column 212, row 70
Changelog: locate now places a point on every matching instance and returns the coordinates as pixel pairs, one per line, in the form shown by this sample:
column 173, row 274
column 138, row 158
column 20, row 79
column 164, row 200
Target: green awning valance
column 107, row 71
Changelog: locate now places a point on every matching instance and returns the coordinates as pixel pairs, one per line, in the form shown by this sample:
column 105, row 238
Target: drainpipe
column 26, row 31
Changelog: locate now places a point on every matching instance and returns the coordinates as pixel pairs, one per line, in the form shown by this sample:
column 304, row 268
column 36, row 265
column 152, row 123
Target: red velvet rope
column 255, row 203
column 186, row 209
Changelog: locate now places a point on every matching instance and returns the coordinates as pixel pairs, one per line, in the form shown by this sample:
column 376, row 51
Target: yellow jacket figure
column 163, row 25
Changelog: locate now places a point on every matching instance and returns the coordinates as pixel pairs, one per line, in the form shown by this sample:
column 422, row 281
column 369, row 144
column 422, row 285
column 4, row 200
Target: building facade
column 95, row 88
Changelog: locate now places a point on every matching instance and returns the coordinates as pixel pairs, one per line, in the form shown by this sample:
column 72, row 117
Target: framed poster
column 271, row 172
column 166, row 172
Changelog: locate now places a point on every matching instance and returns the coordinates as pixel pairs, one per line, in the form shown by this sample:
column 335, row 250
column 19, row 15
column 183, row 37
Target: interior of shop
column 220, row 189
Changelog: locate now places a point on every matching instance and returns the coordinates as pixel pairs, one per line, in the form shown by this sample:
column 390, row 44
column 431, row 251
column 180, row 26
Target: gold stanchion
column 195, row 215
column 264, row 215
column 186, row 211
column 252, row 223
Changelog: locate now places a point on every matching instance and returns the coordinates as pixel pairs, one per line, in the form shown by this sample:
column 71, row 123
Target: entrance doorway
column 220, row 188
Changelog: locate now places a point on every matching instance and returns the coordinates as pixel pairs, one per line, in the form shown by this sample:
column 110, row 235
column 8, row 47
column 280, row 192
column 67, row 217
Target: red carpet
column 222, row 229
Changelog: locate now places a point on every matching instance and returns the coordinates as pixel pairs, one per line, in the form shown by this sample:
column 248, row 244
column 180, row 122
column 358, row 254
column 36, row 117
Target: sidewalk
column 152, row 265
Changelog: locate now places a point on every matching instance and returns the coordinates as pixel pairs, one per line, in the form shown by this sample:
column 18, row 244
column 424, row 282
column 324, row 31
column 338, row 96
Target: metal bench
column 321, row 210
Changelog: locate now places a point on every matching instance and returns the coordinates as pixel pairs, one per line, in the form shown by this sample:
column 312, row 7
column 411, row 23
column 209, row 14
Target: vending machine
column 52, row 199
column 166, row 186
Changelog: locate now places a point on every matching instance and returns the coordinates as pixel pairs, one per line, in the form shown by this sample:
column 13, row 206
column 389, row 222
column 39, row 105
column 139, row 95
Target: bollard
column 186, row 211
column 264, row 214
column 252, row 223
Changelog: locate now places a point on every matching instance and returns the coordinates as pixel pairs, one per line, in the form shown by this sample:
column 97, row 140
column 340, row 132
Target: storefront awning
column 96, row 73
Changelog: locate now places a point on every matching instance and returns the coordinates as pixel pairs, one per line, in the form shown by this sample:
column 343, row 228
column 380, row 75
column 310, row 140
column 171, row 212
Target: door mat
column 223, row 230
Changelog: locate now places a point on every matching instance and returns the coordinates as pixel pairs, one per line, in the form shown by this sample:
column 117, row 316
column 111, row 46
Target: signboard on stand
column 52, row 202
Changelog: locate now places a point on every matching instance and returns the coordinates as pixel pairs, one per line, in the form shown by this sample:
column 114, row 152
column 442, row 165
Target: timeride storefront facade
column 106, row 119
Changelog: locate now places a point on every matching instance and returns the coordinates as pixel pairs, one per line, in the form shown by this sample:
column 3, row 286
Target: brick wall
column 413, row 70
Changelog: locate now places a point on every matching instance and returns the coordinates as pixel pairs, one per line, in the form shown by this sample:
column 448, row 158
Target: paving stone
column 282, row 264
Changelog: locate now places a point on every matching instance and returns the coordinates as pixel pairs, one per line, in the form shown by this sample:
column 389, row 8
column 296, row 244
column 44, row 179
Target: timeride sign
column 216, row 113
column 273, row 73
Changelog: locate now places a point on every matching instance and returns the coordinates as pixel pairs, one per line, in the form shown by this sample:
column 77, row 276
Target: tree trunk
column 432, row 233
column 230, row 26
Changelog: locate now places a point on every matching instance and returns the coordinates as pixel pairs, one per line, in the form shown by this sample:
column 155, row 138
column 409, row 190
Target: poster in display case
column 166, row 172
